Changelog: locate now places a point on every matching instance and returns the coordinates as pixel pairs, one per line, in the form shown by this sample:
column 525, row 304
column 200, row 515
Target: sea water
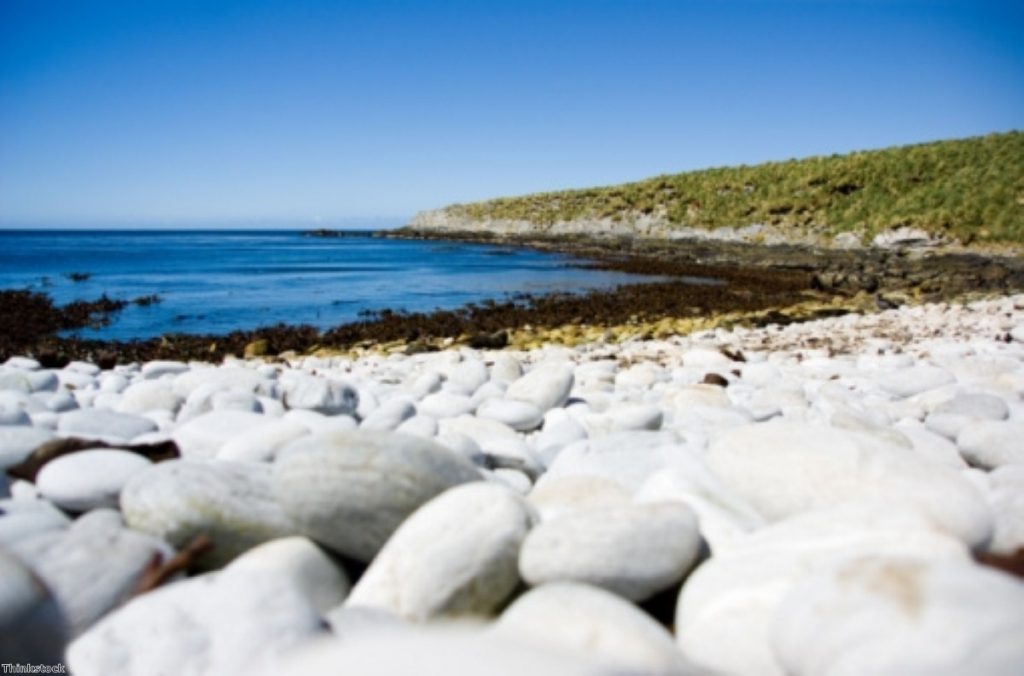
column 218, row 281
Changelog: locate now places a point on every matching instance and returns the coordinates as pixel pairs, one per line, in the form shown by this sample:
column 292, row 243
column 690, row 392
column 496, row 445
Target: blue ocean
column 217, row 281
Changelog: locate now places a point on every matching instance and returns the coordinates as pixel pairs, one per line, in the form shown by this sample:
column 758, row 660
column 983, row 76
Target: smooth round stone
column 627, row 458
column 419, row 425
column 703, row 357
column 204, row 436
column 633, row 550
column 519, row 415
column 722, row 515
column 512, row 453
column 330, row 397
column 319, row 423
column 95, row 565
column 466, row 377
column 546, row 386
column 783, row 468
column 368, row 402
column 992, row 443
column 515, row 479
column 105, row 400
column 350, row 491
column 454, row 556
column 13, row 416
column 270, row 407
column 906, row 382
column 574, row 493
column 765, row 403
column 946, row 424
column 425, row 384
column 1006, row 493
column 460, row 444
column 231, row 503
column 728, row 605
column 113, row 382
column 975, row 405
column 492, row 389
column 104, row 425
column 235, row 400
column 555, row 436
column 983, row 370
column 931, row 446
column 506, row 368
column 698, row 397
column 640, row 376
column 629, row 416
column 88, row 479
column 760, row 374
column 226, row 622
column 28, row 381
column 877, row 362
column 909, row 616
column 481, row 430
column 157, row 369
column 450, row 649
column 32, row 628
column 389, row 415
column 321, row 580
column 262, row 443
column 58, row 402
column 21, row 519
column 223, row 377
column 149, row 395
column 445, row 405
column 28, row 402
column 624, row 417
column 83, row 367
column 351, row 622
column 593, row 621
column 45, row 419
column 950, row 417
column 23, row 363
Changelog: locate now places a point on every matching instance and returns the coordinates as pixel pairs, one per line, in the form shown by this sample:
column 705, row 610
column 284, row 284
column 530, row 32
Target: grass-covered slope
column 970, row 190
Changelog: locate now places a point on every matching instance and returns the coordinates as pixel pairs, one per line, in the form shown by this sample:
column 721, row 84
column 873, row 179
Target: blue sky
column 299, row 112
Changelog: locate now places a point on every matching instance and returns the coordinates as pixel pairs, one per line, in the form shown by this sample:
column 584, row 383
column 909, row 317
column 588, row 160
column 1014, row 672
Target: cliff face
column 451, row 220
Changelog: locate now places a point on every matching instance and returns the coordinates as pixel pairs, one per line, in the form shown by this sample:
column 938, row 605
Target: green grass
column 971, row 190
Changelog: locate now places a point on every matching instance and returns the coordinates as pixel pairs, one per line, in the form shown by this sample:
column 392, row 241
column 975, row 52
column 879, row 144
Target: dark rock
column 734, row 356
column 106, row 360
column 715, row 379
column 419, row 347
column 489, row 341
column 49, row 358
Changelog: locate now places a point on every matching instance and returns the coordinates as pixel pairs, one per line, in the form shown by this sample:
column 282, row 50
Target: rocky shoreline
column 737, row 501
column 752, row 285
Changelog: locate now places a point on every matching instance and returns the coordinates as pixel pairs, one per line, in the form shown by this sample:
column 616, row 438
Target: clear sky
column 297, row 112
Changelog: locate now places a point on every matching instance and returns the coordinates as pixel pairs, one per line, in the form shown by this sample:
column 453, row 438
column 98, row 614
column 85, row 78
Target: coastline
column 755, row 284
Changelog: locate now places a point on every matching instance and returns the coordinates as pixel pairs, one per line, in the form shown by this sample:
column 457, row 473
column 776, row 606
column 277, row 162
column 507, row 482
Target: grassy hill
column 971, row 190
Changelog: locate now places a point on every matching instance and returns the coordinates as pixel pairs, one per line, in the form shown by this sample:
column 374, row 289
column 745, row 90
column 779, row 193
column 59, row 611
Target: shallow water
column 218, row 281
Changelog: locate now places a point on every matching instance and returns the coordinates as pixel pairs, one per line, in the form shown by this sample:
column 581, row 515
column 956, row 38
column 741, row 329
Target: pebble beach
column 825, row 497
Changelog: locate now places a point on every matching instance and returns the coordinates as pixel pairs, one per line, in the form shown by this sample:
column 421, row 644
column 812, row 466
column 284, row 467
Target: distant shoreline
column 763, row 285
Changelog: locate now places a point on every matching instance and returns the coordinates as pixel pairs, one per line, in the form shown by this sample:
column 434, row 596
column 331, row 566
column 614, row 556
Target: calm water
column 215, row 282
